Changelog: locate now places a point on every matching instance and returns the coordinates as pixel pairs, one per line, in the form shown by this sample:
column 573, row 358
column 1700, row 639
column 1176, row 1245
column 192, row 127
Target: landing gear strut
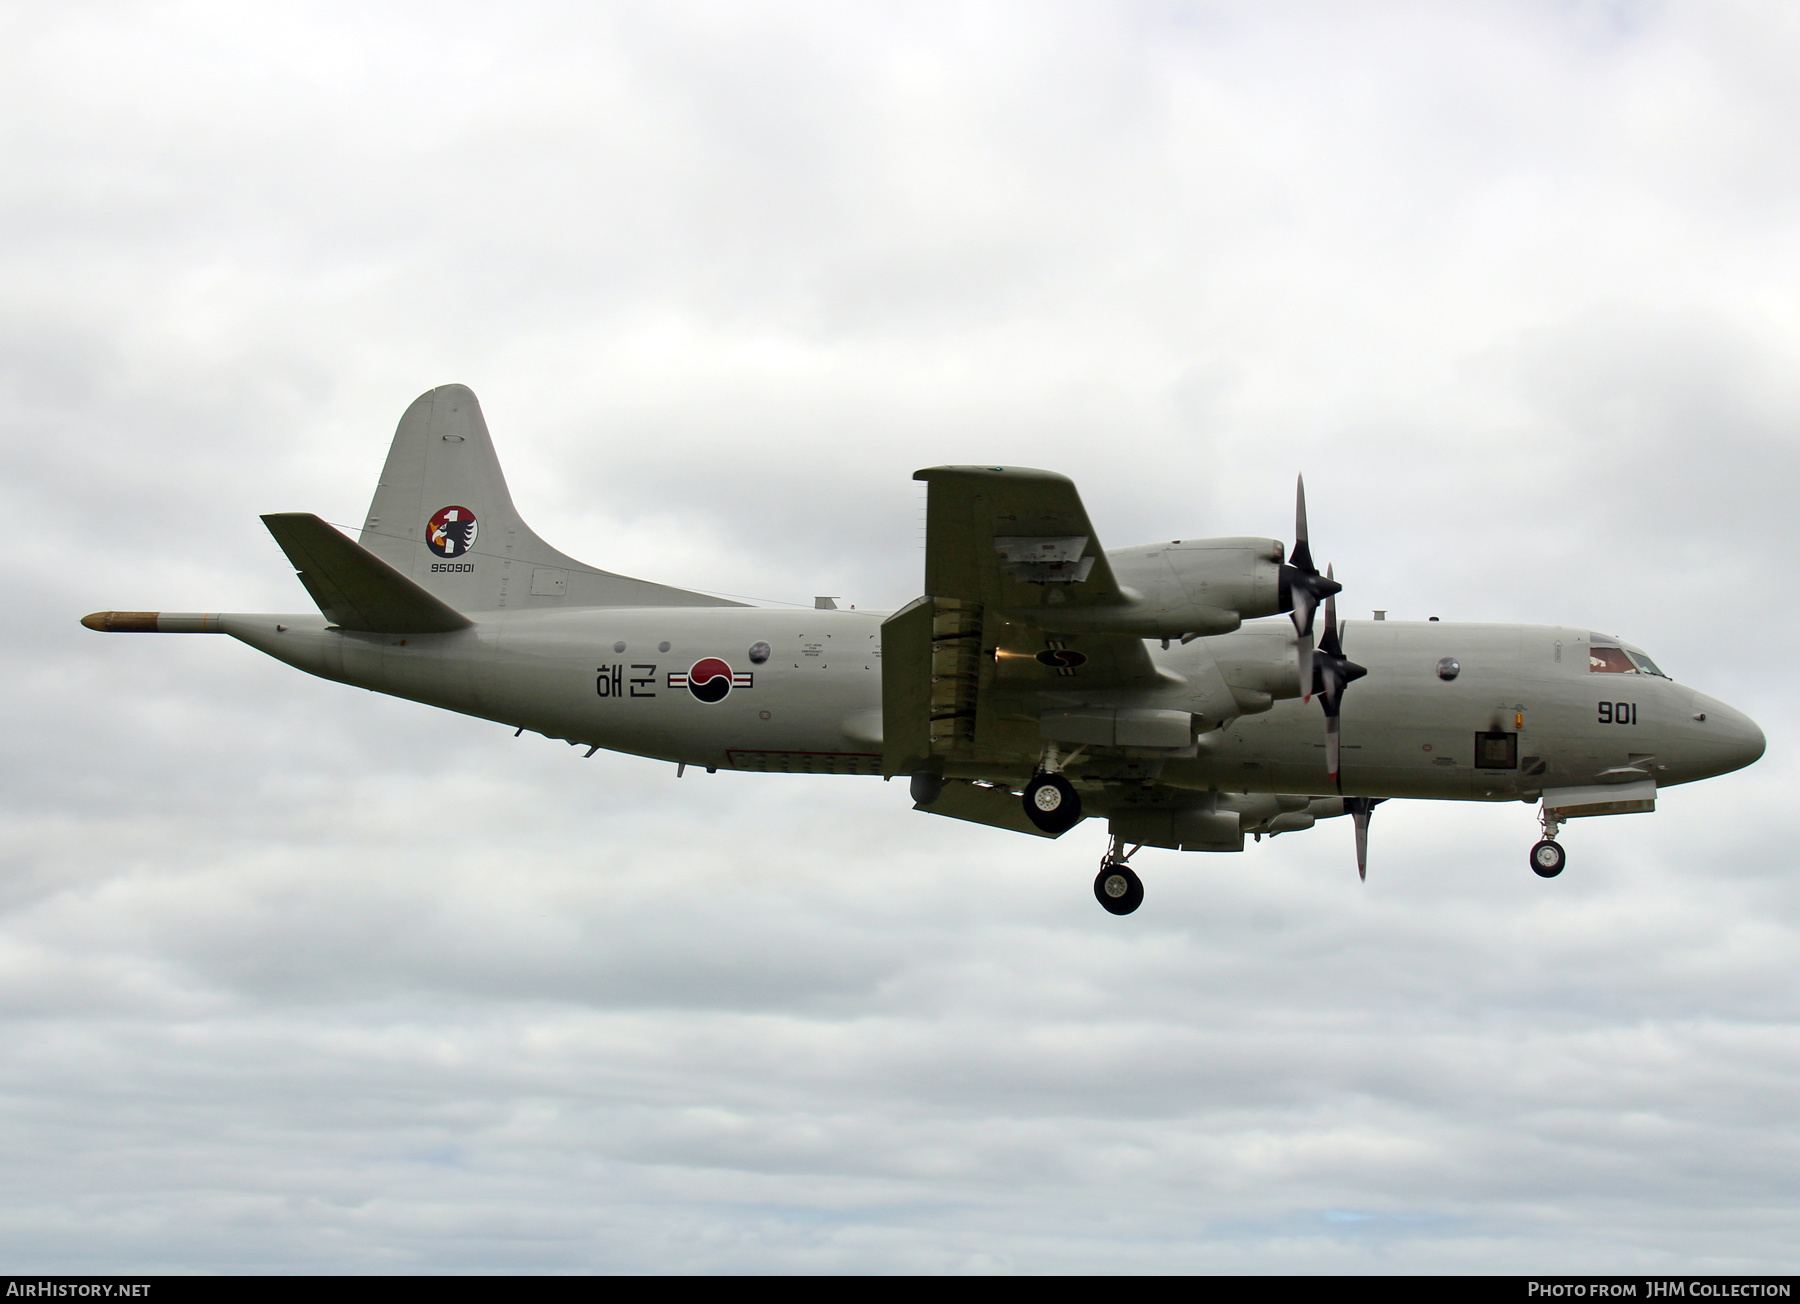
column 1116, row 886
column 1548, row 857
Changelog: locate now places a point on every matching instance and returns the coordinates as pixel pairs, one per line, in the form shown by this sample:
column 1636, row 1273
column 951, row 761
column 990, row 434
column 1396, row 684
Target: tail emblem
column 711, row 679
column 451, row 532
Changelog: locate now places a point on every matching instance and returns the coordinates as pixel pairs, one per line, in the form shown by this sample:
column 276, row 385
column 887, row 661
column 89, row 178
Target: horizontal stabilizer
column 355, row 588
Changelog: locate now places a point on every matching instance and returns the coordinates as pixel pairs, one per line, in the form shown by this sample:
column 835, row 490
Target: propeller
column 1333, row 672
column 1303, row 588
column 1359, row 809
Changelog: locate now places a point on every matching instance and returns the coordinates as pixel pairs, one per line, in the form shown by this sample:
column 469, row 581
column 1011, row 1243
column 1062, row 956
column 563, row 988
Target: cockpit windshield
column 1610, row 661
column 1603, row 660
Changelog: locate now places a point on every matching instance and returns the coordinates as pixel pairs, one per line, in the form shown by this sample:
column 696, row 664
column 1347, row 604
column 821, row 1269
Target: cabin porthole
column 1449, row 668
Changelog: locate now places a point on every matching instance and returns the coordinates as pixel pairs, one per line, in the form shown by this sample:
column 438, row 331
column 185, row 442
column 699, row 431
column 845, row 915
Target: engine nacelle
column 1257, row 809
column 1279, row 812
column 1189, row 829
column 1194, row 586
column 1105, row 726
column 1260, row 662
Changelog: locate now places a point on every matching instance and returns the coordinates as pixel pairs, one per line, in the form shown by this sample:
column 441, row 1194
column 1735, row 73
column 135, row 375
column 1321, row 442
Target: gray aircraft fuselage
column 616, row 679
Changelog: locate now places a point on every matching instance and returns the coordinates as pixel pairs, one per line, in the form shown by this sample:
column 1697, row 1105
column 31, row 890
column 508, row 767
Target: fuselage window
column 1610, row 661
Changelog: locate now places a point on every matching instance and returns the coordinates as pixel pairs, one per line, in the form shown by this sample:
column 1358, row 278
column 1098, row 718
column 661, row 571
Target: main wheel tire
column 1548, row 859
column 1118, row 889
column 1052, row 803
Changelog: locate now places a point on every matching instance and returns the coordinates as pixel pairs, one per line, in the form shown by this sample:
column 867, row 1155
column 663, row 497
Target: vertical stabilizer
column 443, row 518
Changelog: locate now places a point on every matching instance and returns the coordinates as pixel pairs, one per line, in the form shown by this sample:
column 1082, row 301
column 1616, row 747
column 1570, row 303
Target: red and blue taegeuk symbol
column 709, row 679
column 451, row 532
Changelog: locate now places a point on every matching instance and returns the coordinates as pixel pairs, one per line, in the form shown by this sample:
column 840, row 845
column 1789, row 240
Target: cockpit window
column 1610, row 661
column 1621, row 661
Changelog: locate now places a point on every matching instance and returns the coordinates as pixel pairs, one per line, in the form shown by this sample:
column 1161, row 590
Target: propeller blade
column 1303, row 644
column 1331, row 745
column 1304, row 606
column 1360, row 809
column 1301, row 585
column 1301, row 559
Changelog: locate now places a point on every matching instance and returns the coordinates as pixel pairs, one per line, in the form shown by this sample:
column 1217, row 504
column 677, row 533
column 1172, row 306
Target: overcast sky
column 294, row 977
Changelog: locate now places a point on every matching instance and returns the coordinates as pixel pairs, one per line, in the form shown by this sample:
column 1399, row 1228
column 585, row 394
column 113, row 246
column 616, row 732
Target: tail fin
column 443, row 518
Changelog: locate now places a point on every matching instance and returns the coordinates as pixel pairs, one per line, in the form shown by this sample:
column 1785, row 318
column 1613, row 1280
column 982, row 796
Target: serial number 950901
column 452, row 566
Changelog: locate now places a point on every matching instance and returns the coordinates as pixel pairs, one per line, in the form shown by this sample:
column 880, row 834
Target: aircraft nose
column 1730, row 738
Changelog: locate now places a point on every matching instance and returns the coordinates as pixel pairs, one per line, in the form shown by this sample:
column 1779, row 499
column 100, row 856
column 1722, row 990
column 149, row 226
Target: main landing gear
column 1051, row 802
column 1116, row 886
column 1548, row 857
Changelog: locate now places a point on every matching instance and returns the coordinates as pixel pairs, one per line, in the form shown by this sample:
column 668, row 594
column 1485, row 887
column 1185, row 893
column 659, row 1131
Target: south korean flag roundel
column 451, row 532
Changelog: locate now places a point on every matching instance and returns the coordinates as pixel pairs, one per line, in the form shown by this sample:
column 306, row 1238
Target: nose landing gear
column 1116, row 887
column 1548, row 857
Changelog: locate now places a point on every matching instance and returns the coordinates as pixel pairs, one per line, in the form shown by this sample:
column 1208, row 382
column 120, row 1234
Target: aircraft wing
column 1012, row 537
column 969, row 669
column 1018, row 542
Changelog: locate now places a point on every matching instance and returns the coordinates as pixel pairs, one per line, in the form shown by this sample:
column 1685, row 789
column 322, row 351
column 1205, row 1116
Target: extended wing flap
column 355, row 588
